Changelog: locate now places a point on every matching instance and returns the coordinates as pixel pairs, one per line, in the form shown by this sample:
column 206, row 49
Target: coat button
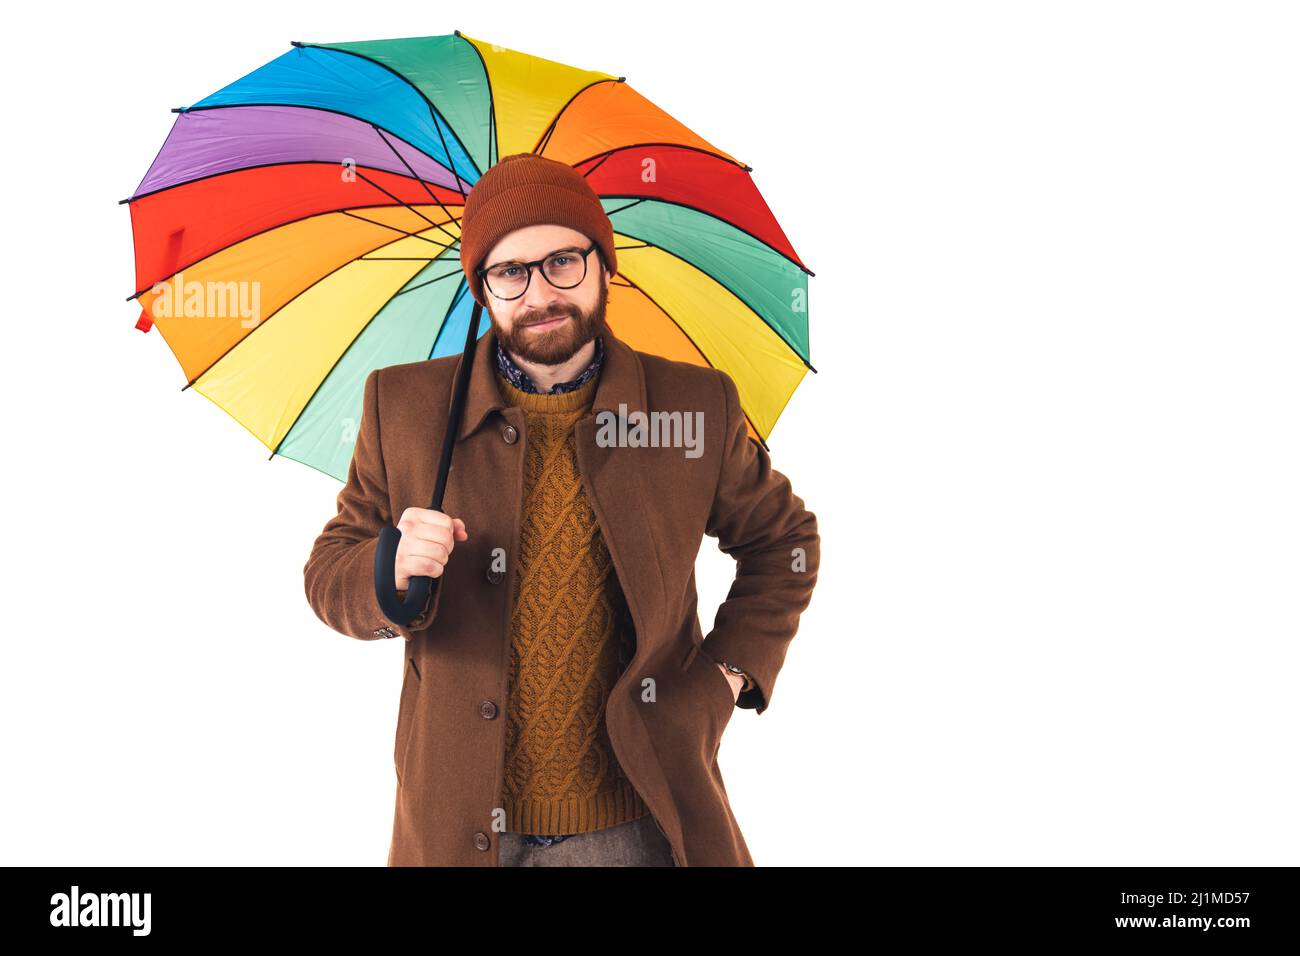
column 487, row 710
column 509, row 434
column 481, row 840
column 494, row 575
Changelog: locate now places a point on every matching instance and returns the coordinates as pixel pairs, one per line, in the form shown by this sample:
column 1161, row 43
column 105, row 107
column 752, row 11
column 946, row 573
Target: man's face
column 547, row 325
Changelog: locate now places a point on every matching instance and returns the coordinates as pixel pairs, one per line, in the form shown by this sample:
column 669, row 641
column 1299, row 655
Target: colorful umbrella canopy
column 299, row 228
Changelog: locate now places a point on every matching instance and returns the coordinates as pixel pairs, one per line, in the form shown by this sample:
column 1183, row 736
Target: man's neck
column 545, row 376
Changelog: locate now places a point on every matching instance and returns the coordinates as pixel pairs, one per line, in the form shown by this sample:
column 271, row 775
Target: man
column 562, row 706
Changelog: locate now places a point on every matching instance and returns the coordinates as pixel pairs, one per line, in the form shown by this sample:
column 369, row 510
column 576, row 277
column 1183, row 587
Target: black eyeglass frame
column 481, row 271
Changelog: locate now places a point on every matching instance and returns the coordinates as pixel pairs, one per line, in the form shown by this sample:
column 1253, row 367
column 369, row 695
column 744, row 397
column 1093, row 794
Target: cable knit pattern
column 571, row 637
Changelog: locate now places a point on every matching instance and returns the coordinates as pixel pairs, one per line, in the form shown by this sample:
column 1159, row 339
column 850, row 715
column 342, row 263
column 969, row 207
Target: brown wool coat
column 668, row 710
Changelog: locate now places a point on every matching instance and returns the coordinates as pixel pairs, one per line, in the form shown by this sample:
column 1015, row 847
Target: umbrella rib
column 445, row 275
column 419, row 179
column 701, row 269
column 637, row 200
column 495, row 144
column 408, row 206
column 705, row 212
column 459, row 180
column 588, row 172
column 324, row 378
column 684, row 205
column 408, row 235
column 609, row 152
column 493, row 139
column 614, row 212
column 544, row 140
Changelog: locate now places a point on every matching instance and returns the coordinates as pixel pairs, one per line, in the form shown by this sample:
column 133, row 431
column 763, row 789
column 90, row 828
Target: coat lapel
column 614, row 479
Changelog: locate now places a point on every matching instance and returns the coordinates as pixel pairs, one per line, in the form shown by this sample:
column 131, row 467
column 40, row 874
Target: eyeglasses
column 564, row 270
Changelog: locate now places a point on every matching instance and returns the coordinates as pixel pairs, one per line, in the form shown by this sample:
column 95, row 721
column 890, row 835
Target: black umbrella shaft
column 423, row 587
column 457, row 407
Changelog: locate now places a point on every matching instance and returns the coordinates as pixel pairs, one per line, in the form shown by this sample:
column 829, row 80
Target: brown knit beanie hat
column 525, row 189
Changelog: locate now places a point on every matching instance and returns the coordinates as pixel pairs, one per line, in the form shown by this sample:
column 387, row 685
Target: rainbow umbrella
column 299, row 228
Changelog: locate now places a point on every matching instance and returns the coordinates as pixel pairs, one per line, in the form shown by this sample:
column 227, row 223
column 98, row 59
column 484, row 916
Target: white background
column 1051, row 445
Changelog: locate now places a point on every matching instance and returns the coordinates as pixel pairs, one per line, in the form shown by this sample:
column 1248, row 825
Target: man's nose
column 540, row 297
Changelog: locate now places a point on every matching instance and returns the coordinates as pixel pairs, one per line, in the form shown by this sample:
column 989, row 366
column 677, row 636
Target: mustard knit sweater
column 571, row 637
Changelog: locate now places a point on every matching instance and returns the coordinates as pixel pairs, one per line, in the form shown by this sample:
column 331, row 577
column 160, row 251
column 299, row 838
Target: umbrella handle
column 420, row 590
column 422, row 587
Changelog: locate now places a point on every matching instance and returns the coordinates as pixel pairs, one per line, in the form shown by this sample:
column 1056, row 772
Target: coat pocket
column 719, row 691
column 405, row 708
column 723, row 687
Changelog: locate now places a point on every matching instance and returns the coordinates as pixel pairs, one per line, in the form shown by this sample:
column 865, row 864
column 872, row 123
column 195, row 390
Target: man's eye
column 561, row 260
column 505, row 271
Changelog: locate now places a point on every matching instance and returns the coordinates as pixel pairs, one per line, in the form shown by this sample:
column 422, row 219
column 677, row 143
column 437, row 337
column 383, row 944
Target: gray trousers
column 636, row 843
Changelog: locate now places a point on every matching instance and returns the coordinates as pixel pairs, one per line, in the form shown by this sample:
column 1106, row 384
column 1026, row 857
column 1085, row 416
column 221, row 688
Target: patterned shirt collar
column 517, row 377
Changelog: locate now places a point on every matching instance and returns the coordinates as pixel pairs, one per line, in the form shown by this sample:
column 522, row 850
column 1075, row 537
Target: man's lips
column 548, row 324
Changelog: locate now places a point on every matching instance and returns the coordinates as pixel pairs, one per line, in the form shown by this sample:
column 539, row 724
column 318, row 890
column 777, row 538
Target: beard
column 554, row 346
